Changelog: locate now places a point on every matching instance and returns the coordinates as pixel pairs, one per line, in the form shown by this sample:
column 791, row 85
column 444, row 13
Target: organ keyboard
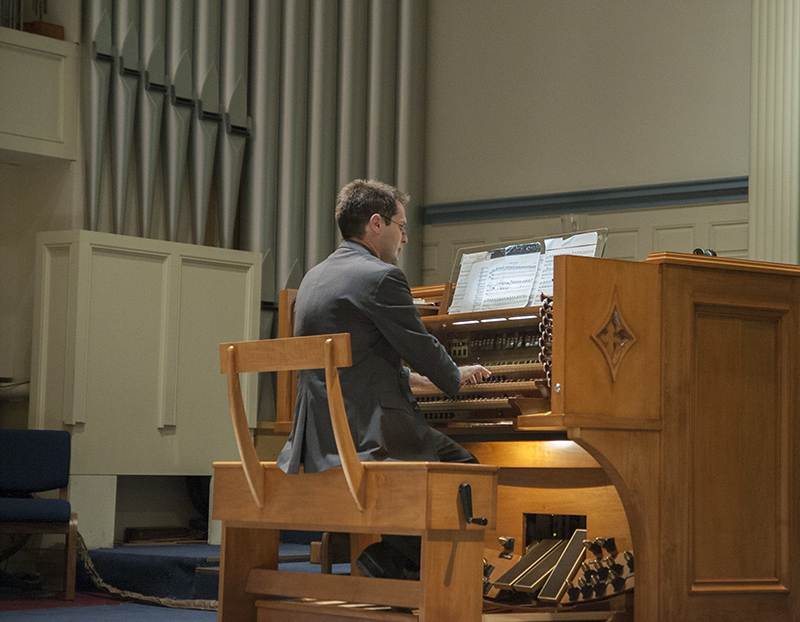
column 513, row 346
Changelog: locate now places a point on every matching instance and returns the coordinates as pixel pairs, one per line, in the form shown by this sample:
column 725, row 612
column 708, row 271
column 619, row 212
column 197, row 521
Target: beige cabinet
column 39, row 95
column 126, row 349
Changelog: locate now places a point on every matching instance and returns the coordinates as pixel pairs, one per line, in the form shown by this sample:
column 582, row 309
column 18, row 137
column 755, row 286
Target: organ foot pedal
column 563, row 574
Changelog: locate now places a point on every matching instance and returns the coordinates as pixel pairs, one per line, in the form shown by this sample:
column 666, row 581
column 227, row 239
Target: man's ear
column 375, row 222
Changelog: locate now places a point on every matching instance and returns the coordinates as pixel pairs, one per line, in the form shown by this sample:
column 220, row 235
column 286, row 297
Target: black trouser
column 448, row 451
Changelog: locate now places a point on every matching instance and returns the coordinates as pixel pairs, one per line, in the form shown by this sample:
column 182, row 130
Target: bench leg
column 242, row 550
column 452, row 576
column 71, row 548
column 358, row 542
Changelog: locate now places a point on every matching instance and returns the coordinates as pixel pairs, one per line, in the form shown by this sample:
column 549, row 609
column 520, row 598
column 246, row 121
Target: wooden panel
column 317, row 500
column 142, row 306
column 241, row 550
column 286, row 381
column 52, row 347
column 334, row 587
column 738, row 486
column 605, row 516
column 542, row 454
column 729, row 239
column 218, row 300
column 623, row 244
column 37, row 113
column 551, row 477
column 127, row 336
column 451, row 575
column 725, row 271
column 606, row 338
column 631, row 233
column 39, row 98
column 730, row 400
column 444, row 502
column 283, row 355
column 300, row 611
column 675, row 237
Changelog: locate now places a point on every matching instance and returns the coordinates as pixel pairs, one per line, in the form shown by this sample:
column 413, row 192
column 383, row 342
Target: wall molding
column 724, row 190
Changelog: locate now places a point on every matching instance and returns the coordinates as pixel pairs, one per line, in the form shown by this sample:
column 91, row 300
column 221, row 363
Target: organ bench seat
column 424, row 501
column 255, row 500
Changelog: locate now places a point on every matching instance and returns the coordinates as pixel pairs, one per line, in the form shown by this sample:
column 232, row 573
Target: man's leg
column 450, row 451
column 404, row 551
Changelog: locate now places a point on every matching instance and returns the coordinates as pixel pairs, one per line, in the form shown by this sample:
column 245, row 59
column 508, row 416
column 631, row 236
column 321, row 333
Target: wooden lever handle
column 465, row 490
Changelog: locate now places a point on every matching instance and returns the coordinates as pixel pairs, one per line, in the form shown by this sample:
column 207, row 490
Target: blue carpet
column 126, row 612
column 169, row 571
column 161, row 571
column 164, row 571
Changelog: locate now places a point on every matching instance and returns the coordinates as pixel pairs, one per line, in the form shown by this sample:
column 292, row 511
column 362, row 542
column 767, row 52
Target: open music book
column 516, row 275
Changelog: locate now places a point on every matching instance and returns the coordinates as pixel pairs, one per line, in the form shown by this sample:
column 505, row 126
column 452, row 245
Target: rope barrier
column 83, row 554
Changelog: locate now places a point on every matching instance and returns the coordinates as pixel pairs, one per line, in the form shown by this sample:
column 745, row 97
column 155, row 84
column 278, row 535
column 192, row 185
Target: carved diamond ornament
column 614, row 338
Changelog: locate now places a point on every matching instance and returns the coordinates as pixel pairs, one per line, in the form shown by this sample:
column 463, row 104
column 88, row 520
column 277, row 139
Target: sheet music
column 514, row 276
column 581, row 244
column 467, row 261
column 500, row 283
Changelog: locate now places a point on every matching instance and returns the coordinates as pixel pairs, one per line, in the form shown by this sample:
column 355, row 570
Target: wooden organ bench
column 255, row 500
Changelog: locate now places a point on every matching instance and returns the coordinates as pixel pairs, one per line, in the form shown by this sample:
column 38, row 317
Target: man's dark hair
column 360, row 199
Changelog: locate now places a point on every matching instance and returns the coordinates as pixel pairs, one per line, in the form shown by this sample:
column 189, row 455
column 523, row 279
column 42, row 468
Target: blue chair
column 34, row 461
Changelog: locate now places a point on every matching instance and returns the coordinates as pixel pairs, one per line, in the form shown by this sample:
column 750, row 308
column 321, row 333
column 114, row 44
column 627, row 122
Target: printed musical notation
column 513, row 276
column 502, row 283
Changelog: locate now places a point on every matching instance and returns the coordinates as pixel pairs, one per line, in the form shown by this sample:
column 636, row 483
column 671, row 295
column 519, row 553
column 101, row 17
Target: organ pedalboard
column 563, row 572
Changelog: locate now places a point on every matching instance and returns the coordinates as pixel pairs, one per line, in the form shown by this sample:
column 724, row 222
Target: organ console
column 657, row 400
column 511, row 347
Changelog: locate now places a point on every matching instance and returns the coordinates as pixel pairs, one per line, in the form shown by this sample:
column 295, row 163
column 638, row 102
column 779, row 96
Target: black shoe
column 384, row 561
column 381, row 561
column 410, row 571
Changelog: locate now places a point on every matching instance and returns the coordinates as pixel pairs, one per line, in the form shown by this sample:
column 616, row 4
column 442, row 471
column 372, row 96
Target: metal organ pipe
column 206, row 115
column 178, row 109
column 233, row 100
column 124, row 82
column 292, row 166
column 259, row 204
column 320, row 222
column 280, row 102
column 150, row 104
column 97, row 64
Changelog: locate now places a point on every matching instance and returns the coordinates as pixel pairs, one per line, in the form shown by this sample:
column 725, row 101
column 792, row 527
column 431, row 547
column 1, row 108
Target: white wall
column 530, row 97
column 631, row 235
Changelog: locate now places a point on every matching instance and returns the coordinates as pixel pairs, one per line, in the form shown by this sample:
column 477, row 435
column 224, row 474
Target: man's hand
column 469, row 374
column 473, row 373
column 417, row 381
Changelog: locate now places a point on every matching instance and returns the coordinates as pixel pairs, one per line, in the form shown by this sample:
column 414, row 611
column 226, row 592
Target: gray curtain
column 260, row 110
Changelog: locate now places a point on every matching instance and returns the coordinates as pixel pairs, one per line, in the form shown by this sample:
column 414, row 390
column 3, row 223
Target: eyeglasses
column 403, row 228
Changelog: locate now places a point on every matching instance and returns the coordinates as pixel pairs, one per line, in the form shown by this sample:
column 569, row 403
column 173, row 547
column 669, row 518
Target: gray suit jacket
column 354, row 292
